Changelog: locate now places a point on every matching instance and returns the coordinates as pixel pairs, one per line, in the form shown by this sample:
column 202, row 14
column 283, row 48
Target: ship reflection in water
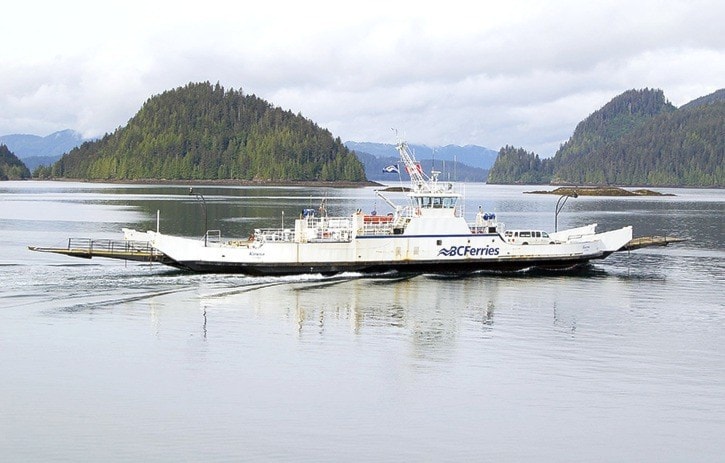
column 433, row 314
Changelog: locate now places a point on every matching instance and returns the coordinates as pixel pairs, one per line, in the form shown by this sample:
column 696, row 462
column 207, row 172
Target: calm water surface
column 108, row 361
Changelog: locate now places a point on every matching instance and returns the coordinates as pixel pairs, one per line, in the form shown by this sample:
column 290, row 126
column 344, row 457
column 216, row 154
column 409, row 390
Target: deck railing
column 112, row 247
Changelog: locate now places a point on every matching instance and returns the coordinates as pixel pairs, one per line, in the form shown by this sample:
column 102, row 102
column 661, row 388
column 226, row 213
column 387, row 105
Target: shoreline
column 598, row 191
column 219, row 182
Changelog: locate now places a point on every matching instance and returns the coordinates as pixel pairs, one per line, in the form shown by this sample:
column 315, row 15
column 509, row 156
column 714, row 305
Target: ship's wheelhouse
column 435, row 201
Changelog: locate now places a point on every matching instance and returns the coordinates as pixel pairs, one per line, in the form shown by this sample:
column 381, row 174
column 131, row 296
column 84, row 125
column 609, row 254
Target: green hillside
column 204, row 132
column 680, row 148
column 516, row 165
column 614, row 120
column 11, row 168
column 638, row 138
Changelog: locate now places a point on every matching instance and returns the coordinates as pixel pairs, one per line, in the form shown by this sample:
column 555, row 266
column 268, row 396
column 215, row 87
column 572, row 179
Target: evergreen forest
column 204, row 132
column 636, row 139
column 11, row 168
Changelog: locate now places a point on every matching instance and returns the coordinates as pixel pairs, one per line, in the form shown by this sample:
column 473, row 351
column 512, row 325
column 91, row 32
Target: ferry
column 429, row 234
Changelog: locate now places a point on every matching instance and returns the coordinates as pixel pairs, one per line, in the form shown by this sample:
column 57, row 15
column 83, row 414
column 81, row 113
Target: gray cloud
column 524, row 73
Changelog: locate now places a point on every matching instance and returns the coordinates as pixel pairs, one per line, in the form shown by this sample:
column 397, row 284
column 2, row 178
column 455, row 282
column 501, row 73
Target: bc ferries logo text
column 464, row 251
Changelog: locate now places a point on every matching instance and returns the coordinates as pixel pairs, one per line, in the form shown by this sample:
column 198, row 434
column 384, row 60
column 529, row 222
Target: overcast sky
column 486, row 73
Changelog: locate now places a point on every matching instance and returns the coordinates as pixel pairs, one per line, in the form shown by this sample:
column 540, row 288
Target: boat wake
column 107, row 303
column 581, row 269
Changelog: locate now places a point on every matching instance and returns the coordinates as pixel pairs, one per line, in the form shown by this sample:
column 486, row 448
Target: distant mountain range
column 450, row 170
column 468, row 163
column 472, row 155
column 35, row 150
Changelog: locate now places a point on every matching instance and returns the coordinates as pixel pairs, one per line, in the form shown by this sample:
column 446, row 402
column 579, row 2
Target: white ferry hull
column 379, row 254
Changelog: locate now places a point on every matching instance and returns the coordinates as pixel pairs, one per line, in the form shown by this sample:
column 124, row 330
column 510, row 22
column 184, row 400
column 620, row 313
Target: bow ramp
column 87, row 248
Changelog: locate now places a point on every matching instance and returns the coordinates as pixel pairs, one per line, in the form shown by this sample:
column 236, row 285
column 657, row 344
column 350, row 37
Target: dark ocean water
column 113, row 361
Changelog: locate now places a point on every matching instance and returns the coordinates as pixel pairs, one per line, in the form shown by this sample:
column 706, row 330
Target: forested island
column 638, row 138
column 204, row 132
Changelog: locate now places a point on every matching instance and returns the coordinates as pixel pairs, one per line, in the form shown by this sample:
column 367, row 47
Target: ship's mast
column 420, row 181
column 412, row 167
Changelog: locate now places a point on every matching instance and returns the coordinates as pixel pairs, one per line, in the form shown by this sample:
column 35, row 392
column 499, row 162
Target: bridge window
column 437, row 202
column 423, row 202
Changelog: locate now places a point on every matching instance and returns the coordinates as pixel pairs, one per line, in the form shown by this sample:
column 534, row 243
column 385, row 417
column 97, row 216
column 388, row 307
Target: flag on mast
column 418, row 167
column 391, row 169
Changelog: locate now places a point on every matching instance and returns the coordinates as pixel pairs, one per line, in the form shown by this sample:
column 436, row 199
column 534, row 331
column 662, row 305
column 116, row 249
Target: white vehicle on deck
column 525, row 237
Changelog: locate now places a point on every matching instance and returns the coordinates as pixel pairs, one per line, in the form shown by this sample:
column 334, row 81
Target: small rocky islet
column 598, row 191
